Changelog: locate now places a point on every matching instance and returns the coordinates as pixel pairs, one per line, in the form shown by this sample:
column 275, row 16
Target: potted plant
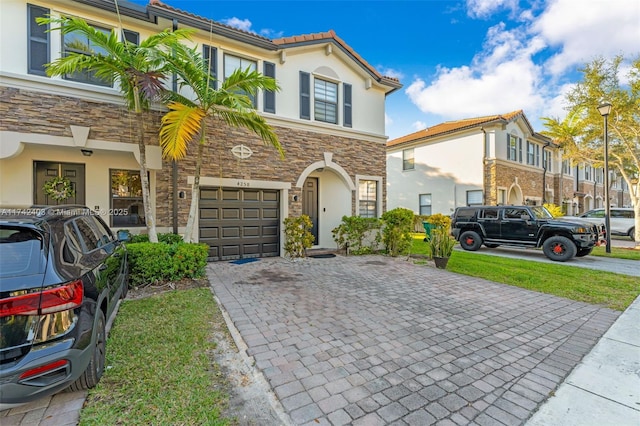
column 441, row 245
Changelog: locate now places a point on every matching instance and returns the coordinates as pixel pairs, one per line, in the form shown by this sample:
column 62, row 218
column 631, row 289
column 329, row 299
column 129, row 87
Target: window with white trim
column 78, row 43
column 126, row 198
column 325, row 101
column 567, row 168
column 38, row 42
column 425, row 204
column 547, row 157
column 368, row 197
column 514, row 148
column 474, row 197
column 587, row 172
column 531, row 153
column 408, row 159
column 502, row 196
column 233, row 63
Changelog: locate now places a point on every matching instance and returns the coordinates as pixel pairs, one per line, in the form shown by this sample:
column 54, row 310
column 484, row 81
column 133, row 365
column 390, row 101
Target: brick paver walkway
column 373, row 340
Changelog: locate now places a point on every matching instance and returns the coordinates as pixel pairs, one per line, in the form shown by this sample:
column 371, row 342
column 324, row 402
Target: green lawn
column 614, row 291
column 160, row 364
column 618, row 253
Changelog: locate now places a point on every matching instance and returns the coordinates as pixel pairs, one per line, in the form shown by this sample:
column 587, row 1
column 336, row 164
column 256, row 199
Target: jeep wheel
column 559, row 248
column 584, row 251
column 492, row 245
column 470, row 240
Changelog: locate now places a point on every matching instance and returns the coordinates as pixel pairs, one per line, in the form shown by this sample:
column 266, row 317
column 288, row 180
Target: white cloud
column 485, row 8
column 419, row 125
column 582, row 30
column 241, row 24
column 501, row 80
column 388, row 121
column 269, row 33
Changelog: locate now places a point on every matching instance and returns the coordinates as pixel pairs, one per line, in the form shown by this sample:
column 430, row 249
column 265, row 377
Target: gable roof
column 332, row 37
column 464, row 124
column 157, row 8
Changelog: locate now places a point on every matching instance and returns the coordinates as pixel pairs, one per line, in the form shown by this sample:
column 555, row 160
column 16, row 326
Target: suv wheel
column 93, row 373
column 632, row 234
column 559, row 248
column 470, row 240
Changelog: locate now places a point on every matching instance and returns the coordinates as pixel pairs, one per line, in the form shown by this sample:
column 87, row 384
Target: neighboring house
column 493, row 160
column 328, row 115
column 496, row 159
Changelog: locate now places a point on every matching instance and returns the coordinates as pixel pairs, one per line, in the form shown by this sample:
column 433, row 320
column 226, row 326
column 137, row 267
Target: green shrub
column 150, row 263
column 354, row 230
column 441, row 243
column 439, row 221
column 297, row 235
column 396, row 233
column 162, row 238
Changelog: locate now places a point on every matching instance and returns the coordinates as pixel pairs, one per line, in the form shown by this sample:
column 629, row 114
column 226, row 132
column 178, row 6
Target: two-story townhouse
column 328, row 115
column 583, row 188
column 496, row 159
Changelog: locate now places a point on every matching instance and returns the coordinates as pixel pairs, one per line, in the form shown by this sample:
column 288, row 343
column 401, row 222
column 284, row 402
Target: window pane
column 76, row 43
column 368, row 203
column 408, row 161
column 474, row 198
column 326, row 101
column 126, row 199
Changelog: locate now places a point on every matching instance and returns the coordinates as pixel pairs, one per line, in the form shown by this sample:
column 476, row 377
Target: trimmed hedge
column 150, row 263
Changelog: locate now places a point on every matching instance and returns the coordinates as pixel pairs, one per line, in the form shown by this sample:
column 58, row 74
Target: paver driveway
column 376, row 340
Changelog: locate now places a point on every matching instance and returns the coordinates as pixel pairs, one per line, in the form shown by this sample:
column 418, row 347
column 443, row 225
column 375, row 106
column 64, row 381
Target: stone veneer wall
column 301, row 149
column 530, row 181
column 43, row 113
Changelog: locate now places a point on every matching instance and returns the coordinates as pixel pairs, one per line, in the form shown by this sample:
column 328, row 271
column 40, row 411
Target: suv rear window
column 20, row 252
column 463, row 214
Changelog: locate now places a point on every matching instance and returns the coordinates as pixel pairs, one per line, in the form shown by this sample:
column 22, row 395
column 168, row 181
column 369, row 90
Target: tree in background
column 581, row 133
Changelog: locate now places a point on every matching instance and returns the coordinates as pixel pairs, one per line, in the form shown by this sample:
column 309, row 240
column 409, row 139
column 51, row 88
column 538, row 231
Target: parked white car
column 622, row 220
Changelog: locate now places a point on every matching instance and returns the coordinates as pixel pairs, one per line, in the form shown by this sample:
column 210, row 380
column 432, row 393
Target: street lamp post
column 605, row 109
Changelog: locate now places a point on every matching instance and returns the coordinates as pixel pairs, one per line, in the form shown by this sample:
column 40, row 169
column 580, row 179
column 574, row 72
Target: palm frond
column 179, row 126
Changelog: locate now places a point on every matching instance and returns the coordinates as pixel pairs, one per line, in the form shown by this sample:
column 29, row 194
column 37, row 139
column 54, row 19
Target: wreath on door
column 59, row 188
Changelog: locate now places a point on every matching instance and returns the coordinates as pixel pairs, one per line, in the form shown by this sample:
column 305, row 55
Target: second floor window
column 514, row 148
column 408, row 159
column 566, row 167
column 76, row 43
column 587, row 172
column 546, row 159
column 325, row 101
column 531, row 153
column 232, row 63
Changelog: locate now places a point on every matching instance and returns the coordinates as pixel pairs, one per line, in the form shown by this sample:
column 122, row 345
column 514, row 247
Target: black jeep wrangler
column 523, row 226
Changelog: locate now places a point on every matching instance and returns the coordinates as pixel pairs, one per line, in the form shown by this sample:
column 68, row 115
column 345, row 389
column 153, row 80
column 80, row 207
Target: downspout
column 544, row 174
column 484, row 166
column 174, row 164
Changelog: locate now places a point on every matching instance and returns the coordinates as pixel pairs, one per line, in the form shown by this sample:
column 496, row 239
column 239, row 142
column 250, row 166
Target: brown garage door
column 240, row 223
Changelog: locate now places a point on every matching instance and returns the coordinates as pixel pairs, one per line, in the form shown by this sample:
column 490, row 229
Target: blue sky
column 456, row 59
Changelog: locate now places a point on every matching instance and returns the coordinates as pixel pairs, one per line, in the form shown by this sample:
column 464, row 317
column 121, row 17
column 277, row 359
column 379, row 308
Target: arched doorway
column 515, row 195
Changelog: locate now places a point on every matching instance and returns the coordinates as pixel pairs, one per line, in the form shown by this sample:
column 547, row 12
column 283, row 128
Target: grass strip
column 614, row 291
column 608, row 289
column 160, row 367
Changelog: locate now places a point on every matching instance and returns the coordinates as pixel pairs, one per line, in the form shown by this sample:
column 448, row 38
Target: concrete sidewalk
column 604, row 389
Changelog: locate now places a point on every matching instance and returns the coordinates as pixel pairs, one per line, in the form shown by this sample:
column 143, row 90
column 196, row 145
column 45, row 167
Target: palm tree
column 231, row 103
column 137, row 69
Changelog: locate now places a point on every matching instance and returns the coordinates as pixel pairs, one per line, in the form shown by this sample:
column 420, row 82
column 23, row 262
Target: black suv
column 62, row 271
column 523, row 226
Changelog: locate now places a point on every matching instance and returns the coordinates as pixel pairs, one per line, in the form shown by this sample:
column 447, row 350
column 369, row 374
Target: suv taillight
column 56, row 299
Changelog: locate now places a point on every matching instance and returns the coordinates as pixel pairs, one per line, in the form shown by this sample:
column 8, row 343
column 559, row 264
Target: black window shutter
column 209, row 54
column 509, row 147
column 38, row 53
column 269, row 95
column 347, row 120
column 305, row 95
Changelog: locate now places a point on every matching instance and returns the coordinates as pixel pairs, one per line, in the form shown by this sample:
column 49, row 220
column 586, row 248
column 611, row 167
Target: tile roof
column 457, row 125
column 332, row 36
